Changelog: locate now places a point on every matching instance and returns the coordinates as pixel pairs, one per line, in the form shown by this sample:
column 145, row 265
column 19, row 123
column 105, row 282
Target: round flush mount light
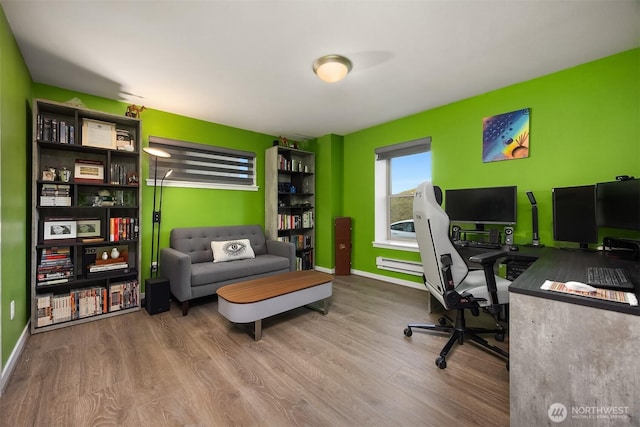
column 332, row 68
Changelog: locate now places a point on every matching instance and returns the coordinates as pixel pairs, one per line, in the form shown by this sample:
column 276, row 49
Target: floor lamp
column 155, row 153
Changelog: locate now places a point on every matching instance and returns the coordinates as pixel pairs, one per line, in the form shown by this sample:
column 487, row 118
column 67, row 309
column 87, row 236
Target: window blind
column 416, row 146
column 203, row 164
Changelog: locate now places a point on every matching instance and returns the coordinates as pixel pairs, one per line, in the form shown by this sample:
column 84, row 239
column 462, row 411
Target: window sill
column 396, row 245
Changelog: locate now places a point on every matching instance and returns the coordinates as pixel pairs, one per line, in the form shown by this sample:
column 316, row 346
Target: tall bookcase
column 290, row 200
column 85, row 248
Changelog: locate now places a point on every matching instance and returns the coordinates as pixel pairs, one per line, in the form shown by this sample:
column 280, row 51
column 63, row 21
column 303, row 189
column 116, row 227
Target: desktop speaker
column 508, row 236
column 494, row 236
column 156, row 295
column 455, row 232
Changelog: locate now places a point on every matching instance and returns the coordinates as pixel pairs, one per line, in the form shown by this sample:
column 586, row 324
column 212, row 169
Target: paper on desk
column 603, row 294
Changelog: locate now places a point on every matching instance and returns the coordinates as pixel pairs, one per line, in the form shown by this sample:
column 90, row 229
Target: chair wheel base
column 408, row 332
column 441, row 362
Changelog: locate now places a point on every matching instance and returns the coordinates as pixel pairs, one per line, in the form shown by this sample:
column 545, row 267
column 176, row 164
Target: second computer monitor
column 618, row 204
column 574, row 214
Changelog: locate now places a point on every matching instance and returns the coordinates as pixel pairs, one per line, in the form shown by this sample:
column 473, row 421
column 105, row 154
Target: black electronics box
column 156, row 295
column 516, row 266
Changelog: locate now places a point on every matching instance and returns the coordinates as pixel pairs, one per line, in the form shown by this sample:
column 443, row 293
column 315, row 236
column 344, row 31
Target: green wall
column 329, row 193
column 15, row 88
column 185, row 207
column 584, row 129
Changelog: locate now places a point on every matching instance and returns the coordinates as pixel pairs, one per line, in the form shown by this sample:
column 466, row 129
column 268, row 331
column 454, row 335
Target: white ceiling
column 247, row 64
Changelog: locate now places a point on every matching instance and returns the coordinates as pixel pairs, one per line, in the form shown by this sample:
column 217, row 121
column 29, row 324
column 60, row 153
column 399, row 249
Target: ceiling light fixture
column 332, row 68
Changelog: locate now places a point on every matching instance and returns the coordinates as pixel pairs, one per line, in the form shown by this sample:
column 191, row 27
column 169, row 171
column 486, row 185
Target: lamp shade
column 332, row 68
column 156, row 152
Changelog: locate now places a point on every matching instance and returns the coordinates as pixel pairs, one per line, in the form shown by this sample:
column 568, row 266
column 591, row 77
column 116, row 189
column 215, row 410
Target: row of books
column 87, row 302
column 118, row 174
column 55, row 195
column 55, row 266
column 305, row 261
column 55, row 190
column 123, row 228
column 51, row 129
column 285, row 164
column 301, row 241
column 293, row 222
column 123, row 295
column 77, row 304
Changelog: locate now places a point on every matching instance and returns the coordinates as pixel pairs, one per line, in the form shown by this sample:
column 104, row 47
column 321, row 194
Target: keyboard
column 608, row 278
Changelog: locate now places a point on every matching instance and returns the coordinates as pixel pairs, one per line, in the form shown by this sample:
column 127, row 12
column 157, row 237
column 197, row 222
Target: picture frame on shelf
column 49, row 174
column 89, row 171
column 98, row 134
column 124, row 140
column 88, row 227
column 132, row 178
column 59, row 229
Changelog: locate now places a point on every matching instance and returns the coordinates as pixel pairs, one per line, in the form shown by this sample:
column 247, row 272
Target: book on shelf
column 123, row 295
column 52, row 282
column 88, row 302
column 76, row 304
column 55, row 266
column 108, row 267
column 50, row 129
column 55, row 190
column 123, row 228
column 44, row 315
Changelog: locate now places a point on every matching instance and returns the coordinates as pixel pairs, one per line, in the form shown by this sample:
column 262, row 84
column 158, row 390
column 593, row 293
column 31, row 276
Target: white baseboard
column 380, row 277
column 7, row 370
column 325, row 270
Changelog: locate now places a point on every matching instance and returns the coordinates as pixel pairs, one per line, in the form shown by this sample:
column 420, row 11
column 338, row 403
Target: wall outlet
column 12, row 310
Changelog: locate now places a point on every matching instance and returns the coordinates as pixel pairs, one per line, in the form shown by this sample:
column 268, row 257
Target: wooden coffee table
column 257, row 299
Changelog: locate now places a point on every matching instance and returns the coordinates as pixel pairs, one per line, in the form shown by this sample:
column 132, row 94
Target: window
column 203, row 166
column 399, row 169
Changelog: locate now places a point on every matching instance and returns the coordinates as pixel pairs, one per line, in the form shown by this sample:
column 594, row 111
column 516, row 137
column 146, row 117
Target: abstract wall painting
column 505, row 136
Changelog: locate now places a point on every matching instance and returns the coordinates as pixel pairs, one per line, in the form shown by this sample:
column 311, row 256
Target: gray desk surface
column 563, row 265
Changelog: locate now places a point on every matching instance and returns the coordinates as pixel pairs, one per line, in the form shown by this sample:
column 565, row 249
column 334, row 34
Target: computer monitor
column 618, row 204
column 574, row 215
column 479, row 206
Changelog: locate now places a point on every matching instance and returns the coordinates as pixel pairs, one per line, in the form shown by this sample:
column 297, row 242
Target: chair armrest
column 487, row 260
column 488, row 257
column 176, row 266
column 284, row 249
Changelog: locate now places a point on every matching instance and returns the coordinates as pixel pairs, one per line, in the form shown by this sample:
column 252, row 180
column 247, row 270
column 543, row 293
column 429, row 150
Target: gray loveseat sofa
column 188, row 262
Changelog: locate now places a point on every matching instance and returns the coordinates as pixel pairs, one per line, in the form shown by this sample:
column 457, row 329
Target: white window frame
column 382, row 185
column 186, row 154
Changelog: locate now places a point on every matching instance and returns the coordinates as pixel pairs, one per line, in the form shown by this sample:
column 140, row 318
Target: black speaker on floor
column 156, row 295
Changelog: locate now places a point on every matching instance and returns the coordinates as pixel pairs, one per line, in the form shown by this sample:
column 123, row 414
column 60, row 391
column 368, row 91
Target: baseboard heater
column 399, row 266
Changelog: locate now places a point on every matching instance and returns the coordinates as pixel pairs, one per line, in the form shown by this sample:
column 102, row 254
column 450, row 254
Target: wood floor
column 352, row 367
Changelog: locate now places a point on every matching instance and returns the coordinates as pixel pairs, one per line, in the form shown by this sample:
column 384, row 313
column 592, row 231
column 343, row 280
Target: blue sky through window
column 409, row 171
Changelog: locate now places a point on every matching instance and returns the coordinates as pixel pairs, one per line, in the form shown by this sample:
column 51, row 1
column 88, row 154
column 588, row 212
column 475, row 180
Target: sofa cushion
column 231, row 250
column 196, row 241
column 209, row 272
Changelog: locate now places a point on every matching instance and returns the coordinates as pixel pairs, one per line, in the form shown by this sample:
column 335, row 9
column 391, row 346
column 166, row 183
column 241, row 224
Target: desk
column 575, row 351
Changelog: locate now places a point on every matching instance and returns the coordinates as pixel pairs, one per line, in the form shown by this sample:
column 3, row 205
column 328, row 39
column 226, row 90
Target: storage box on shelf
column 290, row 200
column 85, row 197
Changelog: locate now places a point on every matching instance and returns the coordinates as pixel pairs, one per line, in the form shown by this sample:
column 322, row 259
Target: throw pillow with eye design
column 232, row 250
